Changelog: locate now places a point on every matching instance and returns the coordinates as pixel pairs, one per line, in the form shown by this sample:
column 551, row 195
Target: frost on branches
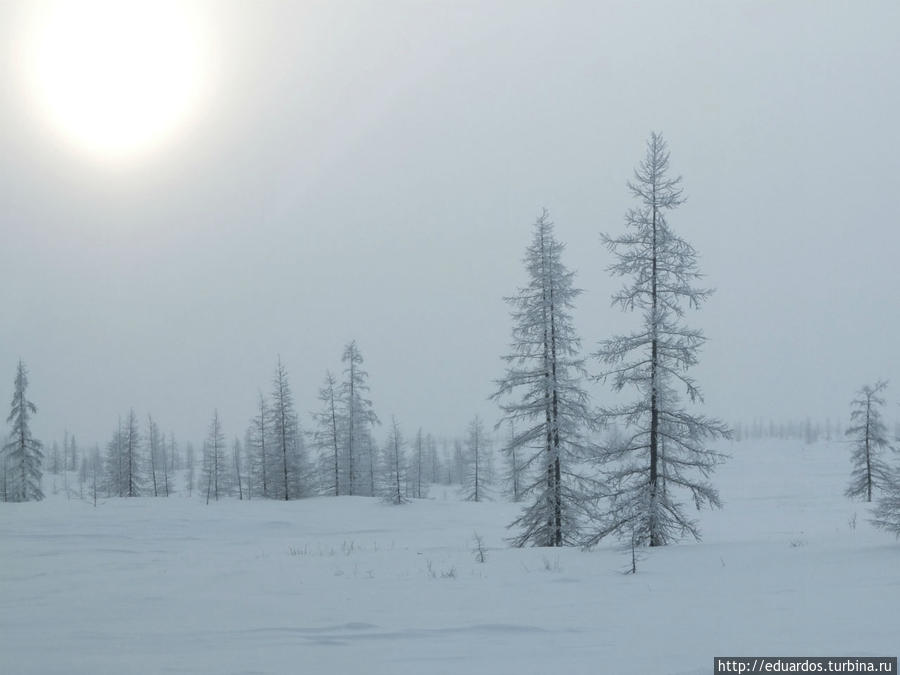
column 664, row 451
column 23, row 454
column 868, row 434
column 543, row 397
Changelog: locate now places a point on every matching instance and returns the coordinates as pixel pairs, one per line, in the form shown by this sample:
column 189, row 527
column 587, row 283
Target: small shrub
column 478, row 549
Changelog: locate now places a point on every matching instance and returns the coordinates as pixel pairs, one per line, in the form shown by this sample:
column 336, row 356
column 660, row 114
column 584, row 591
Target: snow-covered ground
column 350, row 585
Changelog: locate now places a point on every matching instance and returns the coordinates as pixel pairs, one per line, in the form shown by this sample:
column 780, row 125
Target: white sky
column 371, row 171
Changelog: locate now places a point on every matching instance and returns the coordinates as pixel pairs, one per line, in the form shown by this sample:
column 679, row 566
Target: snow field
column 353, row 585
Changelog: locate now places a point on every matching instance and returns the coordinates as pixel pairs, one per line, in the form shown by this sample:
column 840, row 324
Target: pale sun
column 116, row 77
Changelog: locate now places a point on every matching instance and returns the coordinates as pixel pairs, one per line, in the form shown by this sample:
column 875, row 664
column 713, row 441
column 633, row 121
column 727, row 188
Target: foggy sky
column 371, row 171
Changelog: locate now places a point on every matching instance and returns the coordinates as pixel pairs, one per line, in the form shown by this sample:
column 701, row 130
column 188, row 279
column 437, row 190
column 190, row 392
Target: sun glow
column 115, row 76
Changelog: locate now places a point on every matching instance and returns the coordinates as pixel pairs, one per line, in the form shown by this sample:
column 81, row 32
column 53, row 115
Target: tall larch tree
column 55, row 464
column 418, row 466
column 330, row 428
column 95, row 473
column 168, row 463
column 434, row 460
column 665, row 449
column 23, row 453
column 542, row 394
column 360, row 417
column 156, row 451
column 65, row 472
column 394, row 461
column 476, row 477
column 114, row 473
column 132, row 461
column 190, row 463
column 215, row 464
column 260, row 450
column 286, row 442
column 869, row 436
column 237, row 451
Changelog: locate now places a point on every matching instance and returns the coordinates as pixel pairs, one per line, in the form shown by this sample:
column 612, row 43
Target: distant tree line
column 276, row 459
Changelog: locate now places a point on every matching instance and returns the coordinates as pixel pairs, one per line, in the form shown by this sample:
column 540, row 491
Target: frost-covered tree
column 190, row 462
column 457, row 473
column 542, row 393
column 370, row 457
column 330, row 429
column 156, row 451
column 131, row 447
column 124, row 476
column 114, row 472
column 23, row 452
column 360, row 417
column 95, row 469
column 286, row 441
column 394, row 461
column 476, row 479
column 665, row 450
column 434, row 459
column 418, row 465
column 65, row 472
column 869, row 436
column 172, row 457
column 84, row 473
column 170, row 452
column 260, row 450
column 236, row 452
column 215, row 464
column 55, row 464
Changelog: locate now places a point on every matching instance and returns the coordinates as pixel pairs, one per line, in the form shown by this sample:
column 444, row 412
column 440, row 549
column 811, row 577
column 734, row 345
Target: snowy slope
column 352, row 585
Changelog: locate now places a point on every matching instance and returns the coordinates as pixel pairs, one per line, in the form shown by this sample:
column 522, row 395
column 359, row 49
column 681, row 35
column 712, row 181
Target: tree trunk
column 237, row 472
column 655, row 539
column 868, row 456
column 262, row 443
column 557, row 469
column 334, row 437
column 350, row 420
column 216, row 464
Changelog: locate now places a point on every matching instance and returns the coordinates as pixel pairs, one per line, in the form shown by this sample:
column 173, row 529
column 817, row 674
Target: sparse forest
column 396, row 338
column 582, row 472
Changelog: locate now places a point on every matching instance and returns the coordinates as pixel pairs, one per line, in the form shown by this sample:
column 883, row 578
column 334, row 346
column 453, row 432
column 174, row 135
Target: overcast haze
column 371, row 171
